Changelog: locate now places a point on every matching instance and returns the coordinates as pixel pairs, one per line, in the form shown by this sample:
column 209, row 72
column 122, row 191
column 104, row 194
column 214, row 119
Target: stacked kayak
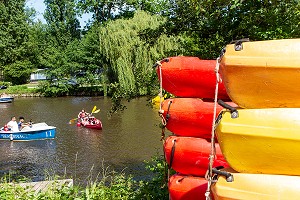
column 186, row 187
column 262, row 74
column 189, row 116
column 256, row 186
column 261, row 142
column 185, row 76
column 258, row 139
column 189, row 155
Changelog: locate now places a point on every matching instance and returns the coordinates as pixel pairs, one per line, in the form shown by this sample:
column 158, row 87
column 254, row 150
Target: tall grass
column 111, row 186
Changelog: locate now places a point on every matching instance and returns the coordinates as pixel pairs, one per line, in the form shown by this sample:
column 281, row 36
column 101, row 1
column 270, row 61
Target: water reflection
column 31, row 157
column 127, row 139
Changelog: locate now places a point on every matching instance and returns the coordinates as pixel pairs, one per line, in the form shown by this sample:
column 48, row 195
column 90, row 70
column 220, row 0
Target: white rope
column 160, row 84
column 164, row 122
column 213, row 150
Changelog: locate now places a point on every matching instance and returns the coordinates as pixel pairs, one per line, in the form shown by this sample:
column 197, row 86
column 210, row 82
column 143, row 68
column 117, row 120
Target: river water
column 127, row 139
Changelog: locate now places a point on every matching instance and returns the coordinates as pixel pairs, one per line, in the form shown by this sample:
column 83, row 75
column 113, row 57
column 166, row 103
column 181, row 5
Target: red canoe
column 183, row 187
column 93, row 124
column 190, row 155
column 190, row 77
column 190, row 117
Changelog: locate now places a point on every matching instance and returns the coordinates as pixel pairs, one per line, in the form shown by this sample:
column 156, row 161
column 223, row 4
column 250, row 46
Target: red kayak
column 190, row 116
column 190, row 77
column 182, row 187
column 190, row 155
column 91, row 122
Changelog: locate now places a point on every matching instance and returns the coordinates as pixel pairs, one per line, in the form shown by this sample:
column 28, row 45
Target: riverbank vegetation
column 114, row 53
column 107, row 186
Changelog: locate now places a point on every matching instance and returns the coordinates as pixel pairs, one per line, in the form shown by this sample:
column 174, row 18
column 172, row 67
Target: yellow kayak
column 256, row 186
column 261, row 140
column 262, row 74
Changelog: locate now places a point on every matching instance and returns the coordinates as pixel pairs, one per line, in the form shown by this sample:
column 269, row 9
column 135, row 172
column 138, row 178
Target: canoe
column 38, row 131
column 263, row 74
column 190, row 155
column 190, row 117
column 92, row 124
column 256, row 186
column 182, row 187
column 261, row 140
column 190, row 77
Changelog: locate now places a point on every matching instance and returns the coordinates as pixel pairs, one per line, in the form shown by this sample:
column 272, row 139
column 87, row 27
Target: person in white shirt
column 13, row 125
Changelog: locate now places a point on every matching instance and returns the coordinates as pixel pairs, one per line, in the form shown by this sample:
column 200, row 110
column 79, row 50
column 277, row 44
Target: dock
column 42, row 186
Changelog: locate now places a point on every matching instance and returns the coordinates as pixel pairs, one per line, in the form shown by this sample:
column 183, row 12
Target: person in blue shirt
column 21, row 123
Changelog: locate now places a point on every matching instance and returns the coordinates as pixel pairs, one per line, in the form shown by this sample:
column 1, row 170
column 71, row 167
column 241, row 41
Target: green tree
column 209, row 25
column 14, row 41
column 103, row 10
column 62, row 21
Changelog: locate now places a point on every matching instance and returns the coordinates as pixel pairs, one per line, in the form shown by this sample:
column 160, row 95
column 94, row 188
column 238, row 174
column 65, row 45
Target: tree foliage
column 130, row 55
column 126, row 37
column 14, row 41
column 210, row 25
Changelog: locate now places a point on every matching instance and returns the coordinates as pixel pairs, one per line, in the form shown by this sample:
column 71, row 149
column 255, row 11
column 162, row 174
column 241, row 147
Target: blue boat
column 39, row 131
column 6, row 99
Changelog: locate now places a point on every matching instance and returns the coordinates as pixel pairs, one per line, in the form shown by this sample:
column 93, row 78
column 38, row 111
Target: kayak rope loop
column 171, row 157
column 212, row 155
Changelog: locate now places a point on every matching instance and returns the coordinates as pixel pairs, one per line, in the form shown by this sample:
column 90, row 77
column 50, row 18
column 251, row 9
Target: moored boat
column 190, row 155
column 182, row 187
column 261, row 140
column 189, row 77
column 262, row 74
column 190, row 117
column 256, row 186
column 4, row 98
column 38, row 131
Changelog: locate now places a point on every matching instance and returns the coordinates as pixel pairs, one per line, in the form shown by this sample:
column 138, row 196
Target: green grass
column 111, row 186
column 19, row 89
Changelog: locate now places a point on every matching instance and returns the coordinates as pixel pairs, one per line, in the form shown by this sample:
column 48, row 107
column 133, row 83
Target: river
column 127, row 139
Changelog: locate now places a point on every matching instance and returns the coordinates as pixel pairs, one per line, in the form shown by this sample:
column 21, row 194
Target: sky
column 40, row 7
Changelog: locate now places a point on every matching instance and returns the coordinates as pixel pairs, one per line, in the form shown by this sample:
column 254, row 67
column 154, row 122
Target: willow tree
column 131, row 53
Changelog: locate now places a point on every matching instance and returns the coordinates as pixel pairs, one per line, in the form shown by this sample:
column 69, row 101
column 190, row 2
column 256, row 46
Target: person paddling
column 82, row 114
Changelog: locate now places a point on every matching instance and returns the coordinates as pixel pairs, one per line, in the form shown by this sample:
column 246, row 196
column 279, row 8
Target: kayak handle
column 229, row 176
column 158, row 63
column 233, row 111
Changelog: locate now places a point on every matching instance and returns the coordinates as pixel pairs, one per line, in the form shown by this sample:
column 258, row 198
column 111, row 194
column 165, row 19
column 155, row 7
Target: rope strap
column 213, row 149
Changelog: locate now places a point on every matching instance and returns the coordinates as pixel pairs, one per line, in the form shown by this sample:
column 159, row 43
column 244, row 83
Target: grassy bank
column 107, row 186
column 22, row 90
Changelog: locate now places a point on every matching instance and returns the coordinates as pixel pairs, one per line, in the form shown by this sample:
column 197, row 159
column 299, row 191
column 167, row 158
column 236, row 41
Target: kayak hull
column 189, row 77
column 190, row 117
column 190, row 155
column 258, row 139
column 263, row 74
column 183, row 187
column 256, row 186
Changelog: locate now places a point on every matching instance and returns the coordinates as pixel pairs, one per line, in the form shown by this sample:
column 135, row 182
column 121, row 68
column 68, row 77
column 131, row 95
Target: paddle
column 94, row 109
column 72, row 120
